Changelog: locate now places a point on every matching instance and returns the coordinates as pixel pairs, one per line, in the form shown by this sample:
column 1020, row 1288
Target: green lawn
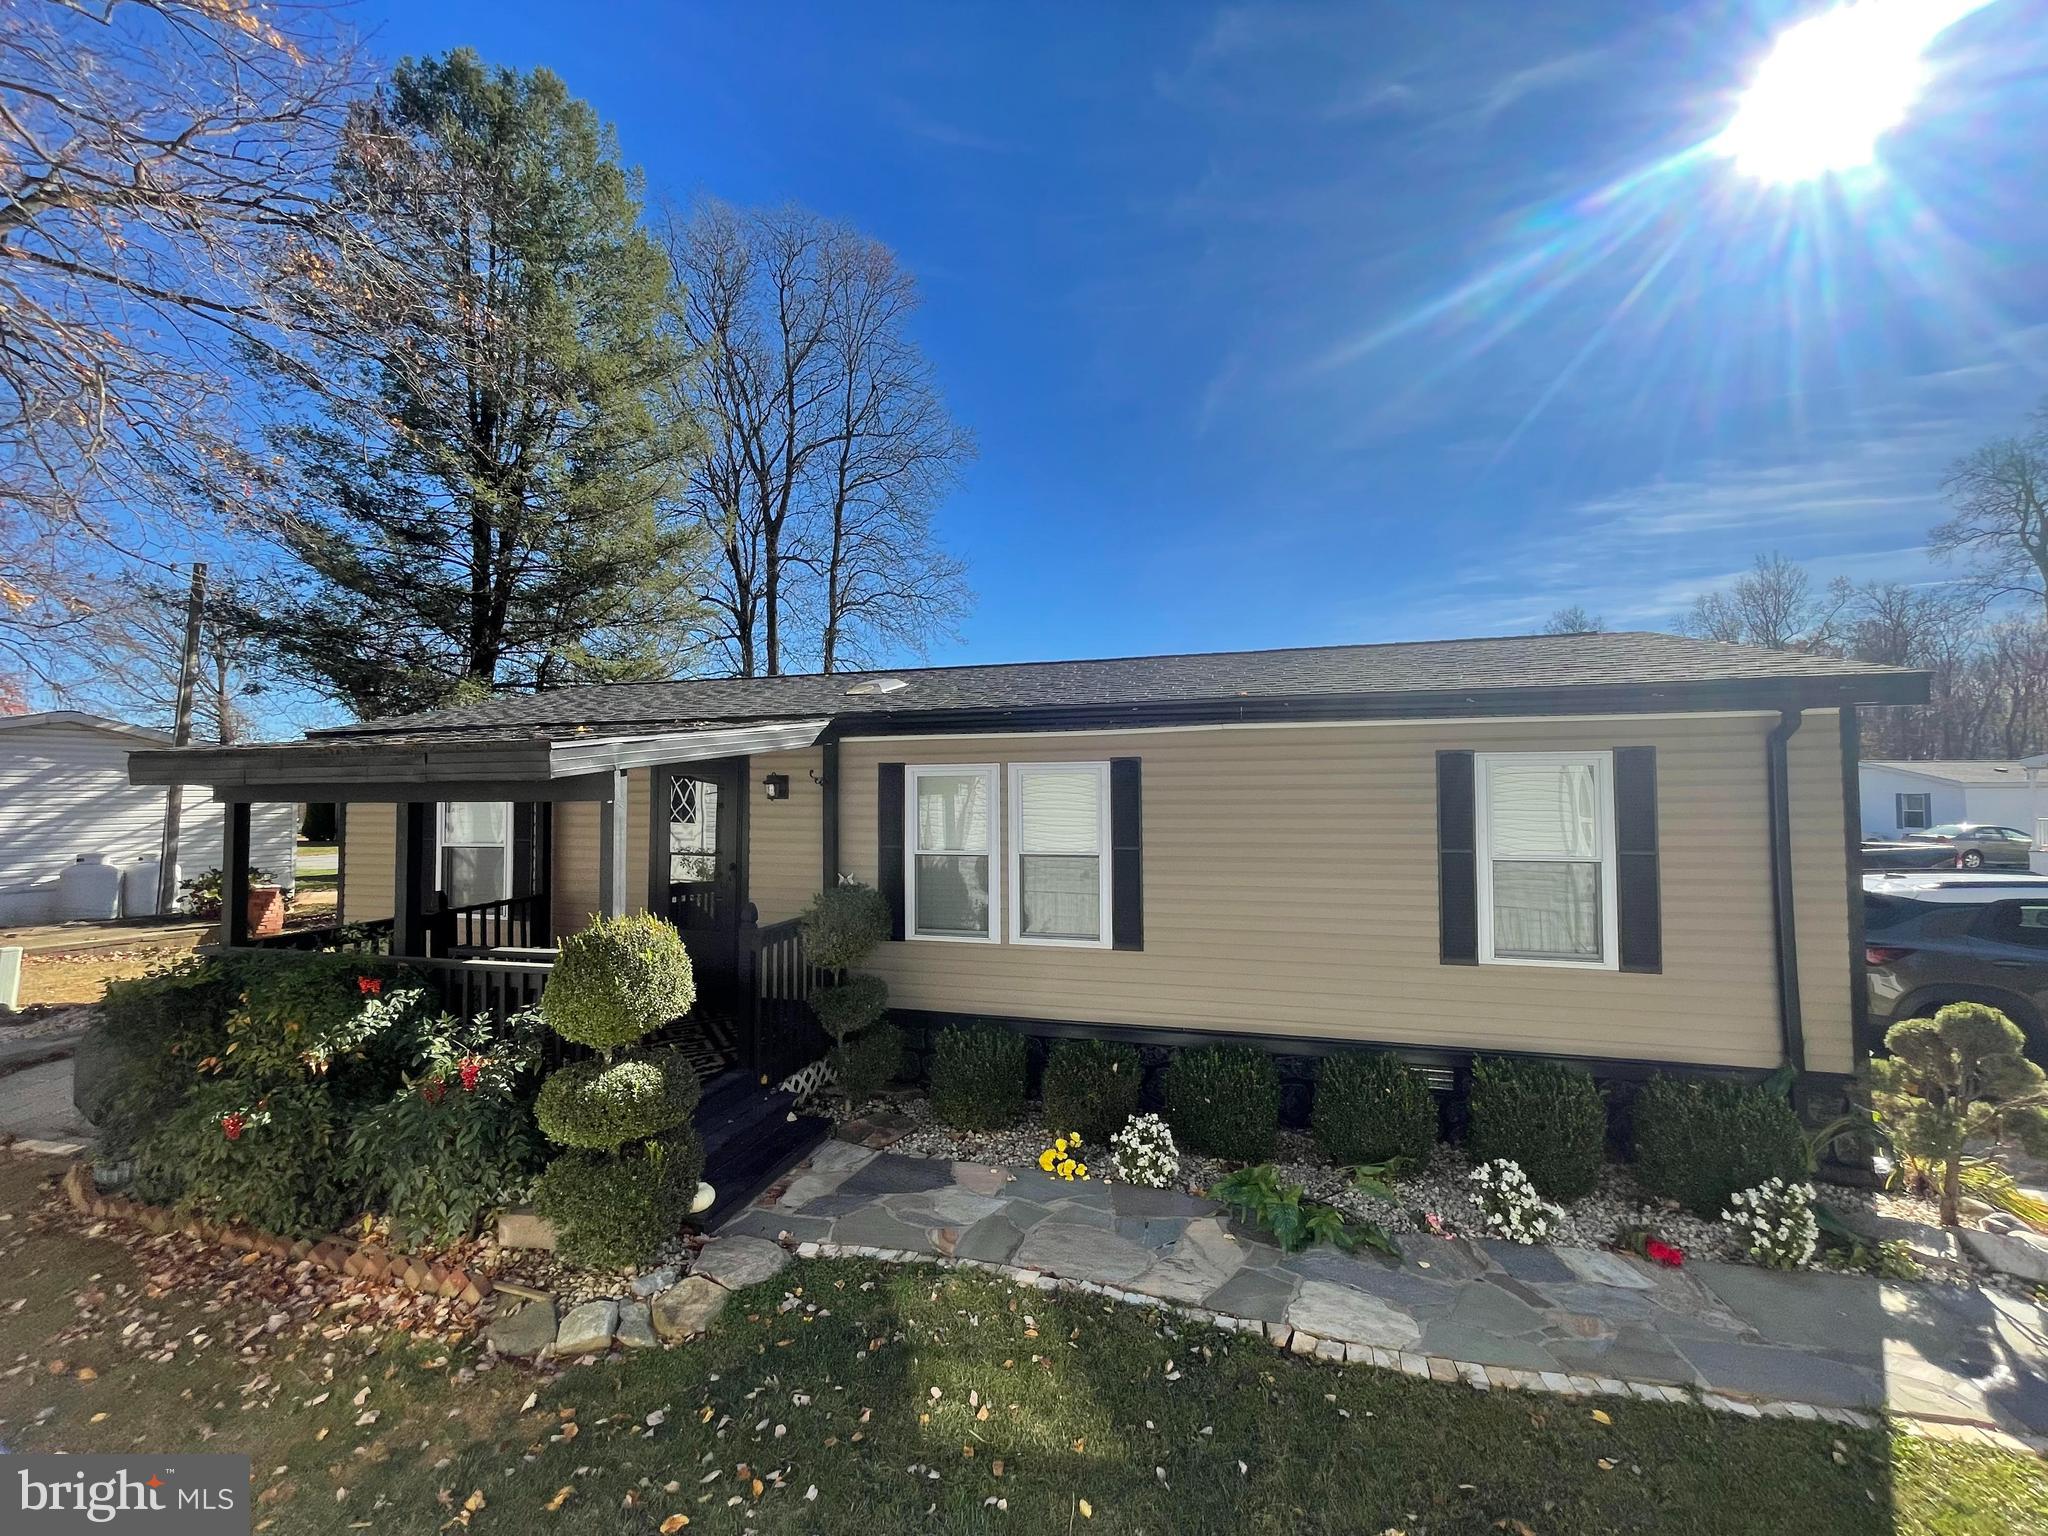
column 1043, row 1403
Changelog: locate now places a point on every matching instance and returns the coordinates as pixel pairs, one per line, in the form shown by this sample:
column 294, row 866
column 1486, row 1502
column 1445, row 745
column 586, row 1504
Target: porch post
column 413, row 889
column 234, row 874
column 611, row 848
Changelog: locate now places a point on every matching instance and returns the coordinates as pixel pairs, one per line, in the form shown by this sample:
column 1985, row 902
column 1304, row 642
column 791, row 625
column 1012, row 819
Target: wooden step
column 748, row 1164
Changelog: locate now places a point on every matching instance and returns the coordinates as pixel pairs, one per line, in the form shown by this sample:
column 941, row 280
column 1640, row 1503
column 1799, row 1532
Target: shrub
column 618, row 979
column 1700, row 1142
column 1547, row 1117
column 850, row 1007
column 1370, row 1108
column 868, row 1063
column 1091, row 1086
column 978, row 1078
column 200, row 896
column 134, row 1065
column 842, row 926
column 615, row 1211
column 1224, row 1101
column 272, row 1160
column 600, row 1104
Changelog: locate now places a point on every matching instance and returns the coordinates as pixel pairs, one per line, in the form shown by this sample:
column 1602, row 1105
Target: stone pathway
column 1493, row 1313
column 35, row 1105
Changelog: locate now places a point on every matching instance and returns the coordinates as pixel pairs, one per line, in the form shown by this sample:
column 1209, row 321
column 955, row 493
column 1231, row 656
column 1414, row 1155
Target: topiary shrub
column 615, row 1211
column 866, row 1064
column 1224, row 1101
column 842, row 926
column 978, row 1078
column 1543, row 1115
column 600, row 1104
column 1370, row 1108
column 617, row 979
column 1698, row 1142
column 1091, row 1086
column 850, row 1007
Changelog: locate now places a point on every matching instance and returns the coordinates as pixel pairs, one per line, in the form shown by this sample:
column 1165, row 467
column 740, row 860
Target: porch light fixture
column 777, row 786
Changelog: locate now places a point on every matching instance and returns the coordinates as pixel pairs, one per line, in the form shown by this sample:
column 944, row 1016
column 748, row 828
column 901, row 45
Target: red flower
column 370, row 986
column 1663, row 1253
column 231, row 1126
column 472, row 1068
column 434, row 1090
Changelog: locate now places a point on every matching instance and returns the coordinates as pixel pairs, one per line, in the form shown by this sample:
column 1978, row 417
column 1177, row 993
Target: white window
column 1059, row 853
column 1916, row 812
column 476, row 851
column 949, row 853
column 1546, row 858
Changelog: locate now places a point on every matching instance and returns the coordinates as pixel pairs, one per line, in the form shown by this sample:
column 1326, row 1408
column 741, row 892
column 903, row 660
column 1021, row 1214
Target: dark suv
column 1933, row 938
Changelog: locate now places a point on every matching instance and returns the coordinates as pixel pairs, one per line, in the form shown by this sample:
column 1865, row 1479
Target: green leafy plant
column 1224, row 1101
column 200, row 896
column 978, row 1077
column 1698, row 1142
column 1091, row 1086
column 844, row 925
column 1259, row 1198
column 614, row 1211
column 851, row 1007
column 271, row 1158
column 1377, row 1179
column 1956, row 1078
column 618, row 979
column 1547, row 1117
column 1370, row 1108
column 136, row 1062
column 600, row 1104
column 868, row 1063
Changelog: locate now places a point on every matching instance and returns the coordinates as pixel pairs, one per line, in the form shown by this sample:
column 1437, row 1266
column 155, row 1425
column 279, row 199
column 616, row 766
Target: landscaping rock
column 1335, row 1311
column 688, row 1308
column 525, row 1331
column 521, row 1227
column 588, row 1329
column 738, row 1262
column 655, row 1281
column 2021, row 1255
column 1082, row 1253
column 636, row 1326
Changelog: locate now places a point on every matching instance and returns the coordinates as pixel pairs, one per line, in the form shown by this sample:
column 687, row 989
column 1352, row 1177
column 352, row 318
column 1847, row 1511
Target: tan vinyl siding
column 369, row 862
column 575, row 855
column 1290, row 889
column 784, row 864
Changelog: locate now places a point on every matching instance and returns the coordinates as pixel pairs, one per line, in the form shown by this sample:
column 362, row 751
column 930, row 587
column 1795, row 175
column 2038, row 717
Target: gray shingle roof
column 1327, row 675
column 1961, row 772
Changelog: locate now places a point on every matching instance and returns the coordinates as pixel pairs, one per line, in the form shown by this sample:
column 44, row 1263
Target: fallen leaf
column 1604, row 1464
column 561, row 1497
column 1600, row 1416
column 1087, row 1510
column 674, row 1523
column 87, row 1373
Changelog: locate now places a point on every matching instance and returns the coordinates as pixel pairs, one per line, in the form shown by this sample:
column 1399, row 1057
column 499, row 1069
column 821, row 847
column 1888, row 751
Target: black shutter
column 889, row 842
column 1127, row 854
column 525, row 841
column 1638, row 901
column 1457, row 868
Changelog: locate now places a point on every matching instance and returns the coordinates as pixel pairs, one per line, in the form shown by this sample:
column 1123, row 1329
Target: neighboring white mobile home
column 64, row 792
column 1909, row 797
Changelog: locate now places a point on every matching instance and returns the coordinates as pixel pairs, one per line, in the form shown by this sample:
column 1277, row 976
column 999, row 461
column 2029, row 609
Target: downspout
column 1778, row 791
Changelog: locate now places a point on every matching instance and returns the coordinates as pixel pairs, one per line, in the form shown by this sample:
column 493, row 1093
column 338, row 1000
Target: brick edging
column 1482, row 1378
column 342, row 1255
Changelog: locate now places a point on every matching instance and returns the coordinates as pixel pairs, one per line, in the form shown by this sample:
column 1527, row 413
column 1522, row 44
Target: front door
column 705, row 828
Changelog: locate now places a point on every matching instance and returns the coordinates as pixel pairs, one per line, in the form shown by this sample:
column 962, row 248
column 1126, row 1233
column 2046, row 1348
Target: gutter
column 1778, row 792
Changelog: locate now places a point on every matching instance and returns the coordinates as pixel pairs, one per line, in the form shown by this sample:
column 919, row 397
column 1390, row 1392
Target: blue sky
column 1303, row 324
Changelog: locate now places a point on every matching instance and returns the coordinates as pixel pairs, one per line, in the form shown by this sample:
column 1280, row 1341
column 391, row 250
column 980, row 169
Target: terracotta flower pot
column 266, row 910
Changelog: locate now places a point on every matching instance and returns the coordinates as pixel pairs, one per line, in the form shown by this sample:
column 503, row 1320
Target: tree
column 1774, row 605
column 1574, row 620
column 472, row 501
column 157, row 159
column 829, row 447
column 2000, row 495
column 134, row 632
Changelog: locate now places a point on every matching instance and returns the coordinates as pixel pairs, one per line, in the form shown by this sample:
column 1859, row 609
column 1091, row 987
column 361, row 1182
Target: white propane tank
column 138, row 889
column 90, row 888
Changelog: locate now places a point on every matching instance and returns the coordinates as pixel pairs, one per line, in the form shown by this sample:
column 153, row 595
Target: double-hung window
column 1545, row 828
column 1915, row 811
column 950, row 852
column 1059, row 853
column 476, row 851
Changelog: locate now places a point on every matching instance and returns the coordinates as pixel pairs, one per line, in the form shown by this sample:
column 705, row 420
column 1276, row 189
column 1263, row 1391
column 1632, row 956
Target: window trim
column 1104, row 854
column 991, row 774
column 1899, row 799
column 1602, row 763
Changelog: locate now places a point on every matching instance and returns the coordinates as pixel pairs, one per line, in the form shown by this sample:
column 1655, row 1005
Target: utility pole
column 181, row 736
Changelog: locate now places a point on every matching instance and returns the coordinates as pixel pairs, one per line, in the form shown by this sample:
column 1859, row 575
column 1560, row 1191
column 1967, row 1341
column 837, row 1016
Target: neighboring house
column 1899, row 798
column 1627, row 849
column 65, row 791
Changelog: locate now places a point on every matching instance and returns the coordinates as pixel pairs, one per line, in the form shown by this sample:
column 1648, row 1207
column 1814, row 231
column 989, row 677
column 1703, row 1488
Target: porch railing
column 372, row 938
column 515, row 922
column 776, row 981
column 493, row 987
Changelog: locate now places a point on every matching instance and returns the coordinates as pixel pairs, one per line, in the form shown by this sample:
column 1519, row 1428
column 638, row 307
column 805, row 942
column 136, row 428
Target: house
column 1631, row 850
column 65, row 792
column 1908, row 797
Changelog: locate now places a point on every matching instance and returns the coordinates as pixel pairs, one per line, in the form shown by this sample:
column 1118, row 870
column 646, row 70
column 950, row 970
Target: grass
column 1041, row 1402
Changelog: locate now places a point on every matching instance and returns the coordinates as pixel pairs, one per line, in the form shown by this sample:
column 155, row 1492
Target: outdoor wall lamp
column 777, row 786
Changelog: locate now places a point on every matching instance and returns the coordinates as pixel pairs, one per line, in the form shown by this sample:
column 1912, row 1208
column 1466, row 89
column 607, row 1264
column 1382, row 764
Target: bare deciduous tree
column 2000, row 495
column 1773, row 605
column 156, row 156
column 1574, row 620
column 136, row 636
column 829, row 447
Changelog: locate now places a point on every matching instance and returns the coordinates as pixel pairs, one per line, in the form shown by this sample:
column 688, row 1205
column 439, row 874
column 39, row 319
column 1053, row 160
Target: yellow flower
column 1074, row 1137
column 1081, row 1169
column 1060, row 1146
column 1067, row 1169
column 1045, row 1160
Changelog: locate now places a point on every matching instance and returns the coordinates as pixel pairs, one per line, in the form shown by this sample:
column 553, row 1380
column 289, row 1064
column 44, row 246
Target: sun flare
column 1833, row 86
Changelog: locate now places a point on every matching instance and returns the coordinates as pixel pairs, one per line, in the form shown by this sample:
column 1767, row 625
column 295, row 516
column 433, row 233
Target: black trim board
column 1638, row 894
column 1457, row 859
column 1127, row 853
column 1862, row 1032
column 889, row 842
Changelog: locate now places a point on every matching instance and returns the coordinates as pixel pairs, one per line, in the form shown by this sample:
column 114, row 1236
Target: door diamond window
column 692, row 831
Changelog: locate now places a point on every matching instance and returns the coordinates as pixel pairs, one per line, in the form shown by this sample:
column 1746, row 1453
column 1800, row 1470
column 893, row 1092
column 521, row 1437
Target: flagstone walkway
column 1562, row 1318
